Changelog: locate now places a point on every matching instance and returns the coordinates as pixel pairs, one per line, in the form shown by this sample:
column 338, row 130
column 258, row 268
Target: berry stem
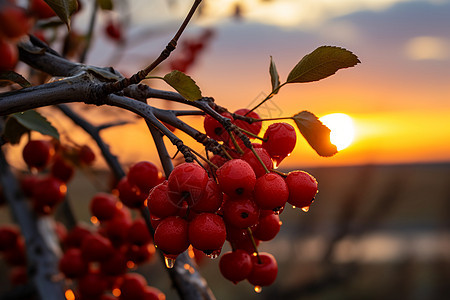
column 272, row 93
column 238, row 148
column 250, row 233
column 260, row 160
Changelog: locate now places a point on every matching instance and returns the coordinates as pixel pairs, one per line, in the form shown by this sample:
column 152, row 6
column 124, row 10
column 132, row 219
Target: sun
column 342, row 129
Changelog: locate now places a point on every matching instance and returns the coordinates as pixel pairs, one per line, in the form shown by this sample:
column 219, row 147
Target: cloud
column 427, row 48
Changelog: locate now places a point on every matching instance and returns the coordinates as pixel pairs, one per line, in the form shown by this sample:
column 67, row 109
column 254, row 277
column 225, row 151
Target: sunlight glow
column 427, row 47
column 342, row 129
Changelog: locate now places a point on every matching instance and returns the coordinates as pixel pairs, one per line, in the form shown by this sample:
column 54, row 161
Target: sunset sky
column 398, row 97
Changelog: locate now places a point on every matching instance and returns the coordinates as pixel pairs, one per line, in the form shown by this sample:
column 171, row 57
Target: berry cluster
column 12, row 250
column 56, row 166
column 236, row 200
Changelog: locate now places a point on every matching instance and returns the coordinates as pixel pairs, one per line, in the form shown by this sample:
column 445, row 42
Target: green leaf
column 13, row 131
column 321, row 63
column 274, row 77
column 10, row 77
column 183, row 84
column 64, row 9
column 316, row 134
column 33, row 120
column 105, row 4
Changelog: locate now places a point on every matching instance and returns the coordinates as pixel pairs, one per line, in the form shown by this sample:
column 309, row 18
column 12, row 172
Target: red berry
column 236, row 178
column 214, row 129
column 187, row 182
column 254, row 128
column 302, row 188
column 280, row 139
column 9, row 235
column 9, row 55
column 113, row 30
column 96, row 248
column 264, row 271
column 267, row 227
column 18, row 276
column 241, row 212
column 14, row 22
column 144, row 175
column 271, row 191
column 138, row 233
column 117, row 230
column 41, row 9
column 92, row 285
column 72, row 264
column 171, row 235
column 27, row 184
column 140, row 254
column 62, row 169
column 211, row 200
column 16, row 256
column 37, row 153
column 130, row 196
column 254, row 162
column 86, row 155
column 47, row 193
column 207, row 232
column 115, row 265
column 159, row 203
column 76, row 236
column 236, row 266
column 103, row 206
column 132, row 286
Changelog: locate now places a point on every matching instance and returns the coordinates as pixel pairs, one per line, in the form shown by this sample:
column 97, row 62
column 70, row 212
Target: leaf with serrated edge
column 184, row 85
column 11, row 77
column 321, row 63
column 63, row 9
column 316, row 134
column 274, row 77
column 33, row 120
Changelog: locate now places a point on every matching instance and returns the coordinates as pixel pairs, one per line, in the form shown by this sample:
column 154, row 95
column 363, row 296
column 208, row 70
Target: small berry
column 152, row 293
column 92, row 285
column 14, row 21
column 38, row 153
column 236, row 178
column 9, row 55
column 103, row 206
column 236, row 266
column 132, row 286
column 96, row 248
column 211, row 200
column 302, row 188
column 280, row 139
column 264, row 271
column 159, row 203
column 187, row 182
column 171, row 235
column 138, row 233
column 86, row 155
column 47, row 193
column 72, row 264
column 115, row 265
column 254, row 127
column 144, row 175
column 241, row 212
column 41, row 9
column 267, row 227
column 9, row 235
column 113, row 30
column 250, row 157
column 207, row 232
column 214, row 129
column 62, row 168
column 271, row 191
column 130, row 196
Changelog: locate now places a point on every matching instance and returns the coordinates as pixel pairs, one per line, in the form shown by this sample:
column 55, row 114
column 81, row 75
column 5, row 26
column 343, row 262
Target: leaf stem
column 272, row 93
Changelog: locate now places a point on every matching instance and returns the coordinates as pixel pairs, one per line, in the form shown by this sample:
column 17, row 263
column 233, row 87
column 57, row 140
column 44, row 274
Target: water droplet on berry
column 215, row 254
column 258, row 289
column 170, row 262
column 305, row 209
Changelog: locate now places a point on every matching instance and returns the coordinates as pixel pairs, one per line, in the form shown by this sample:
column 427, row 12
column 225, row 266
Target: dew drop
column 170, row 262
column 258, row 289
column 305, row 208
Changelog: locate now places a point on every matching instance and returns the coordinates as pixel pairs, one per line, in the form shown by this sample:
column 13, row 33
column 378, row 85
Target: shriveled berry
column 280, row 139
column 302, row 188
column 236, row 178
column 271, row 191
column 171, row 235
column 207, row 232
column 187, row 182
column 236, row 266
column 264, row 271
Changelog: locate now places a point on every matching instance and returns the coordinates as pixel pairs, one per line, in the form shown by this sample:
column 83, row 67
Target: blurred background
column 380, row 225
